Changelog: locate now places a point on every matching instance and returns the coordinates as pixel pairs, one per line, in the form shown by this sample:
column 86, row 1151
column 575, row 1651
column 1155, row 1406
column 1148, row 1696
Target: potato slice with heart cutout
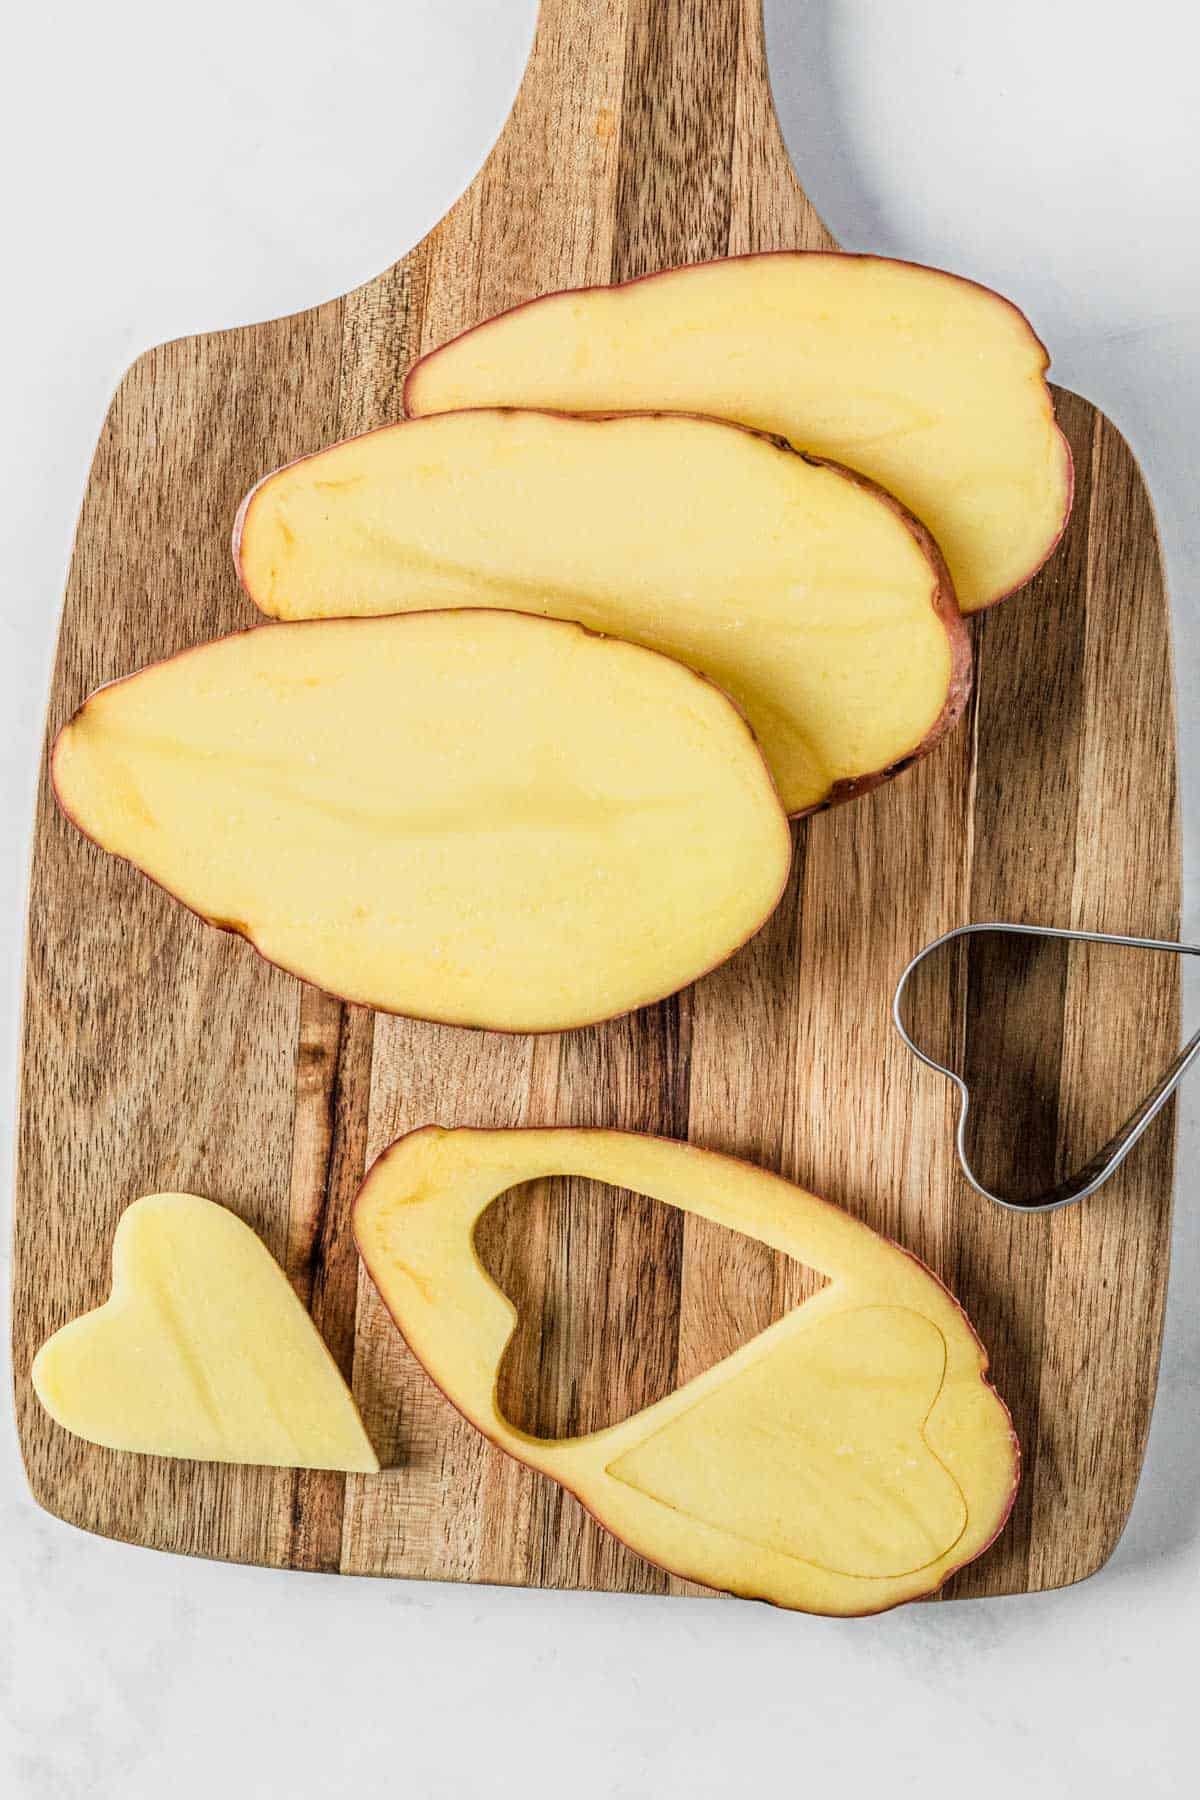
column 476, row 817
column 807, row 593
column 848, row 1458
column 931, row 384
column 202, row 1351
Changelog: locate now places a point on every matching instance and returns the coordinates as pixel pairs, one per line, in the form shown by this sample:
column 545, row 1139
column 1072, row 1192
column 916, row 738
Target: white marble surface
column 171, row 169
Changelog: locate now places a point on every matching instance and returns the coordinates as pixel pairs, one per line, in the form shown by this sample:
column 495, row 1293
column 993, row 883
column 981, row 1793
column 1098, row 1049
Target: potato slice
column 809, row 595
column 478, row 817
column 851, row 1456
column 930, row 384
column 202, row 1351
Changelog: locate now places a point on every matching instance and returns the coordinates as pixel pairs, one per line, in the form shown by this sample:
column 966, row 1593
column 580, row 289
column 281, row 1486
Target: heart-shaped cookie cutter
column 1107, row 1160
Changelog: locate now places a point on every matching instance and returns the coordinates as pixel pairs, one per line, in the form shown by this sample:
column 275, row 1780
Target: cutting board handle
column 667, row 104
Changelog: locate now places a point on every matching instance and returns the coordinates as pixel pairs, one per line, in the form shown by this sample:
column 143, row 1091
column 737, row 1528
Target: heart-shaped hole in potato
column 676, row 1296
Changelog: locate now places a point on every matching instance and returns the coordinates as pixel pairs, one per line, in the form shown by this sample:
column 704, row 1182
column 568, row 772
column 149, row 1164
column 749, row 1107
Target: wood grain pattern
column 159, row 1054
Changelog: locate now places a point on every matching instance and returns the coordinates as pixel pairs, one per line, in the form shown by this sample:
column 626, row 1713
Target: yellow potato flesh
column 808, row 596
column 849, row 1457
column 202, row 1351
column 830, row 1429
column 930, row 384
column 479, row 817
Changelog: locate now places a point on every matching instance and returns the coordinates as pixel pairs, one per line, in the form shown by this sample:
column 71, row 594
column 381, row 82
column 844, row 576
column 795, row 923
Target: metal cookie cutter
column 1106, row 1161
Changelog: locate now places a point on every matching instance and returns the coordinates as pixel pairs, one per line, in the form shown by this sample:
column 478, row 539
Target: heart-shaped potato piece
column 850, row 1457
column 203, row 1351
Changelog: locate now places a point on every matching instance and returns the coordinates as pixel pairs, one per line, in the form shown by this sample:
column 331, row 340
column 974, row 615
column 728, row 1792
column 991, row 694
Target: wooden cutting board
column 160, row 1054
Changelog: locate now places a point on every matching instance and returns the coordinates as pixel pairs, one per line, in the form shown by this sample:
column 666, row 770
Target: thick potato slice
column 808, row 594
column 478, row 817
column 851, row 1456
column 932, row 385
column 202, row 1351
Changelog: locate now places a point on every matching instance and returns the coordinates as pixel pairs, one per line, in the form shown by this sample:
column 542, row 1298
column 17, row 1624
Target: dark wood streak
column 333, row 1073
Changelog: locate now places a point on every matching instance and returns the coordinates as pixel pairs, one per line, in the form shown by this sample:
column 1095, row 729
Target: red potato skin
column 761, row 256
column 685, row 1574
column 945, row 605
column 239, row 929
column 944, row 600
